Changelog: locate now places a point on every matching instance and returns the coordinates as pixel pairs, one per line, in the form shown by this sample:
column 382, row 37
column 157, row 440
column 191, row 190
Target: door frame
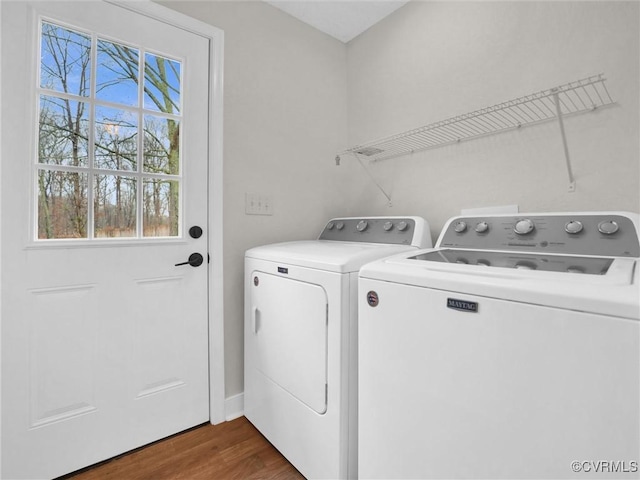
column 1, row 276
column 215, row 37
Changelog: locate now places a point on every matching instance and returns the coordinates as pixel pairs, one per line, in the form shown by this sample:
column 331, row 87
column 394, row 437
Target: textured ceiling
column 343, row 20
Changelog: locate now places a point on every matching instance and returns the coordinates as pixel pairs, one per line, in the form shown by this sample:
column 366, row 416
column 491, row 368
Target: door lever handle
column 195, row 260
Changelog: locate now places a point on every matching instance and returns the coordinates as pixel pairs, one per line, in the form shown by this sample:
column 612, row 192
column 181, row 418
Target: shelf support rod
column 373, row 179
column 556, row 100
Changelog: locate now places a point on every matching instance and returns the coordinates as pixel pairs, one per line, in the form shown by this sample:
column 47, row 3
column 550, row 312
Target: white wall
column 284, row 120
column 430, row 61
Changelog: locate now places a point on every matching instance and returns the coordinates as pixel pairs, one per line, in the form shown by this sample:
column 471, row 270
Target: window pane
column 161, row 84
column 62, row 138
column 114, row 206
column 161, row 145
column 65, row 60
column 116, row 138
column 117, row 73
column 161, row 200
column 62, row 204
column 128, row 102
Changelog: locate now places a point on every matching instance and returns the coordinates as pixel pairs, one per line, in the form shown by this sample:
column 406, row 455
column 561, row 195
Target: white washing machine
column 510, row 350
column 301, row 338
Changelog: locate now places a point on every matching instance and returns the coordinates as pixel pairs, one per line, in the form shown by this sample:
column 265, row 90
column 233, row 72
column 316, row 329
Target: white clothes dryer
column 301, row 338
column 510, row 350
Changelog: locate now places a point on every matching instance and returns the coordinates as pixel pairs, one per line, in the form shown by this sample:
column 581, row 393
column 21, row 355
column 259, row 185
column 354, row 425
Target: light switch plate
column 258, row 204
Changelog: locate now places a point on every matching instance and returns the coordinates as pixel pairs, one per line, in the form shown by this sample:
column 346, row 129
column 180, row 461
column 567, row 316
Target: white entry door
column 104, row 174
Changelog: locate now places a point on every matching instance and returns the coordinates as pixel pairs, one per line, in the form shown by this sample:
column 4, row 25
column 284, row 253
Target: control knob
column 340, row 225
column 459, row 226
column 402, row 226
column 387, row 226
column 575, row 269
column 524, row 226
column 362, row 225
column 524, row 265
column 330, row 225
column 608, row 227
column 573, row 227
column 482, row 227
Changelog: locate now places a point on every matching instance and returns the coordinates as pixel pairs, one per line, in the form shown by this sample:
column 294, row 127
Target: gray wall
column 430, row 61
column 285, row 114
column 288, row 89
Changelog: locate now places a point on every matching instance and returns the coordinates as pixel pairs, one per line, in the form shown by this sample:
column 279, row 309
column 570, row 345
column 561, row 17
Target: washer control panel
column 391, row 230
column 573, row 234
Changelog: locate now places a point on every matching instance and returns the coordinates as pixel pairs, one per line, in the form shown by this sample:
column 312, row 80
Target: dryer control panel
column 599, row 234
column 389, row 230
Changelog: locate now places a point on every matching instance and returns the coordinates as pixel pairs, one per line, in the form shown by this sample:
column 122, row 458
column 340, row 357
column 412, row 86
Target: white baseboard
column 234, row 407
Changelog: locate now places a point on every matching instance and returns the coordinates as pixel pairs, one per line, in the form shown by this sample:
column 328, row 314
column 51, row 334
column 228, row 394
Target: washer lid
column 341, row 257
column 614, row 292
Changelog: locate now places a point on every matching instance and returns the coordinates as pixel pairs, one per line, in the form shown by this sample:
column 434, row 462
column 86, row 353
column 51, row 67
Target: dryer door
column 289, row 330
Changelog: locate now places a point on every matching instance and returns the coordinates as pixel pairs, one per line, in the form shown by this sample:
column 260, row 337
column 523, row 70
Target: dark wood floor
column 231, row 450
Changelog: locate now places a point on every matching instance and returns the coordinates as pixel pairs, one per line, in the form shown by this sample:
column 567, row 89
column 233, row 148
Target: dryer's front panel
column 296, row 376
column 289, row 326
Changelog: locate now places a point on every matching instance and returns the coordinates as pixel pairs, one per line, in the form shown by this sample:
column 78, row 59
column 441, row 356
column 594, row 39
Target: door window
column 108, row 161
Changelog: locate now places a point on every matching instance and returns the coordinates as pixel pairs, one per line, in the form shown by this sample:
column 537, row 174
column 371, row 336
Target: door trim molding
column 234, row 407
column 215, row 36
column 1, row 162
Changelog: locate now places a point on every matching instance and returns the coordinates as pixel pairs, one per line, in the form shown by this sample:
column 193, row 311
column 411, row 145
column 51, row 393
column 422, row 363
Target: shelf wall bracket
column 371, row 177
column 567, row 158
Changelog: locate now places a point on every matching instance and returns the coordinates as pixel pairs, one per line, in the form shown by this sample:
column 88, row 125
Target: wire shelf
column 572, row 98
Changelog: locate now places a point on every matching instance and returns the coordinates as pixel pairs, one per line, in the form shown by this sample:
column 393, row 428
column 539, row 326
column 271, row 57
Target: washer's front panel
column 453, row 385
